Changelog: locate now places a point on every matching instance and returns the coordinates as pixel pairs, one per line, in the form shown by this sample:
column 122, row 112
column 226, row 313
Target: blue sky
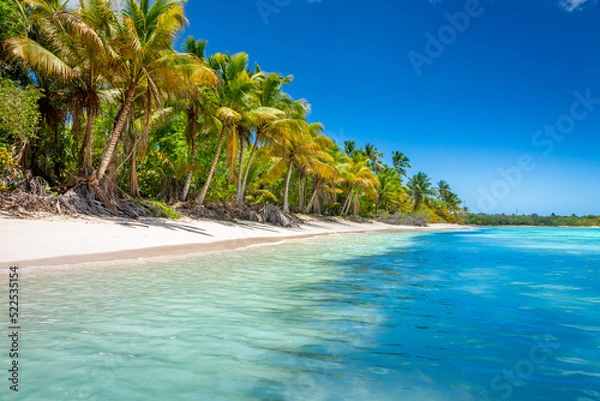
column 475, row 105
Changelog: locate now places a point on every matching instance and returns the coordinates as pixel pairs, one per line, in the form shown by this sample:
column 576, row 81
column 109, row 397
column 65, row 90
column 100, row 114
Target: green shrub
column 158, row 209
column 5, row 158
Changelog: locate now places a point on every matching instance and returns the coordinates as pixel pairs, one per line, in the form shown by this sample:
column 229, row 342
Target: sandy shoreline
column 55, row 241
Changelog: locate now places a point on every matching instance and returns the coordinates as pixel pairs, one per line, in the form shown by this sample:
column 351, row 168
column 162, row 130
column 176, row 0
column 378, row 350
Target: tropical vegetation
column 532, row 220
column 110, row 110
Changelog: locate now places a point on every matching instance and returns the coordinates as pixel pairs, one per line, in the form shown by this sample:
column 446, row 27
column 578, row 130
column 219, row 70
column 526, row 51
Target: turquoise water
column 494, row 314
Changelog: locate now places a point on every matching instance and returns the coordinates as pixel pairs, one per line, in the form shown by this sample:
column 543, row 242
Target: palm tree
column 443, row 190
column 390, row 192
column 374, row 156
column 350, row 148
column 327, row 187
column 41, row 52
column 231, row 100
column 420, row 189
column 322, row 176
column 453, row 203
column 270, row 106
column 145, row 54
column 401, row 163
column 358, row 177
column 303, row 147
column 74, row 46
column 193, row 95
column 98, row 26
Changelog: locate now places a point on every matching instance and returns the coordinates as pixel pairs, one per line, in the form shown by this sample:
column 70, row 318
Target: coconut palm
column 326, row 187
column 374, row 156
column 321, row 177
column 270, row 106
column 443, row 190
column 357, row 176
column 303, row 146
column 41, row 53
column 390, row 192
column 91, row 46
column 453, row 203
column 350, row 148
column 231, row 100
column 192, row 96
column 420, row 189
column 146, row 56
column 401, row 162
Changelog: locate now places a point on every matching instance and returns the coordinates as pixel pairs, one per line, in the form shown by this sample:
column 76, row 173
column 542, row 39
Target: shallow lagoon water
column 492, row 314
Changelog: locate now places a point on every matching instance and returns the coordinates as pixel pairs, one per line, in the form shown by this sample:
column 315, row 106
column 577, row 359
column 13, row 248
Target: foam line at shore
column 67, row 241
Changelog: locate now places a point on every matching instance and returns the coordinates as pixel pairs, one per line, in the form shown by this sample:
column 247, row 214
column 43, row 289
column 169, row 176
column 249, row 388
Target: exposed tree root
column 171, row 191
column 231, row 212
column 23, row 196
column 415, row 220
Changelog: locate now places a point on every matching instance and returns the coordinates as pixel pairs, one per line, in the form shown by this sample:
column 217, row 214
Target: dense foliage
column 107, row 106
column 533, row 220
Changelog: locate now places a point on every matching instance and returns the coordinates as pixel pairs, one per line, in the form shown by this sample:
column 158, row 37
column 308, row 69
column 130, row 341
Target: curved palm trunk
column 239, row 199
column 192, row 122
column 314, row 195
column 417, row 203
column 348, row 202
column 116, row 133
column 211, row 172
column 286, row 206
column 248, row 165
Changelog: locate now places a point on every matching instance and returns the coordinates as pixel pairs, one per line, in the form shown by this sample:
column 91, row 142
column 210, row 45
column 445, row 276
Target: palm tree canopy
column 420, row 189
column 401, row 163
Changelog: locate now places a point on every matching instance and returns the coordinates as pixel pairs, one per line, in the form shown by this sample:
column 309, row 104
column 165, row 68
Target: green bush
column 158, row 209
column 5, row 158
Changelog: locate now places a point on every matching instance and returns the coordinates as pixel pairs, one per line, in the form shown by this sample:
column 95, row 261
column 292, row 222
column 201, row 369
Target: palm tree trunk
column 192, row 121
column 300, row 191
column 286, row 206
column 133, row 181
column 417, row 203
column 88, row 141
column 348, row 201
column 116, row 133
column 356, row 203
column 249, row 164
column 213, row 167
column 314, row 196
column 239, row 199
column 304, row 189
column 334, row 194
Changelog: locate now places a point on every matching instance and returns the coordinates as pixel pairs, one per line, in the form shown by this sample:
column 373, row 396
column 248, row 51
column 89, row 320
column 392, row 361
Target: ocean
column 485, row 314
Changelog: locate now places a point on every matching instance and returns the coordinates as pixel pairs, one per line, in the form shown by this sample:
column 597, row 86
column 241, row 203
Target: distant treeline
column 532, row 220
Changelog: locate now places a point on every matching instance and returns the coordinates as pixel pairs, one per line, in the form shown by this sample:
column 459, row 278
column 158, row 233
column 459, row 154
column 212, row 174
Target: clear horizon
column 500, row 99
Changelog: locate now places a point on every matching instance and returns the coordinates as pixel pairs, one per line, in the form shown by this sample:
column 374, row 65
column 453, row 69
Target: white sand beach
column 58, row 241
